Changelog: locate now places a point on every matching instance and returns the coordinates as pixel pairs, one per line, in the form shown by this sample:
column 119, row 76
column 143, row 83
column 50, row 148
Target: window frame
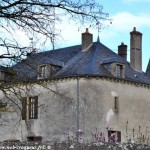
column 119, row 70
column 42, row 71
column 33, row 107
column 116, row 105
column 49, row 70
column 29, row 108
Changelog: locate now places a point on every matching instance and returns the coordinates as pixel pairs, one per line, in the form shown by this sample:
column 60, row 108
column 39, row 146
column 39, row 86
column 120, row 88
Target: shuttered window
column 24, row 108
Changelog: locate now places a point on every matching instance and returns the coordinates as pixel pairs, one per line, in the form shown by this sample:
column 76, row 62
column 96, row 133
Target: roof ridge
column 55, row 50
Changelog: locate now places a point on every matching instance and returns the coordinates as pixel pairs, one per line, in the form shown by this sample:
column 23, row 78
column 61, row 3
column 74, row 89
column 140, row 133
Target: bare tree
column 36, row 18
column 40, row 17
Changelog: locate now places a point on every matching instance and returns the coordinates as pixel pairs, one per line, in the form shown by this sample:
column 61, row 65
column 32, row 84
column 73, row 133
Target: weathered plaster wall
column 57, row 111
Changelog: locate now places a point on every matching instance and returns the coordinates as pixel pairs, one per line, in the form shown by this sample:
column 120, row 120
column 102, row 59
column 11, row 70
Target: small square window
column 114, row 136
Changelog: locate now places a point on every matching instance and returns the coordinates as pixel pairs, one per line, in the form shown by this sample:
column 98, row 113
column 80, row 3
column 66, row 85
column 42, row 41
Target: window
column 30, row 108
column 114, row 136
column 115, row 67
column 42, row 71
column 33, row 107
column 116, row 107
column 116, row 103
column 47, row 70
column 119, row 70
column 34, row 138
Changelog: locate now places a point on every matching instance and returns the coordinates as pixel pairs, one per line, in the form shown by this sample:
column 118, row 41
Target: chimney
column 32, row 52
column 87, row 40
column 122, row 50
column 136, row 50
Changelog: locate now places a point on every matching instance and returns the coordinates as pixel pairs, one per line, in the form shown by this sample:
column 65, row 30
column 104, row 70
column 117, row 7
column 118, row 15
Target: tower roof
column 148, row 69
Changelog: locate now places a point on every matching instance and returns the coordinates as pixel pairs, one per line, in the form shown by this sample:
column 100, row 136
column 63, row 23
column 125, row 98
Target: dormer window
column 115, row 67
column 47, row 70
column 42, row 71
column 119, row 70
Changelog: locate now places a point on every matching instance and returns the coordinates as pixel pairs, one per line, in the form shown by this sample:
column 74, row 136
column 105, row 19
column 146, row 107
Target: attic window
column 115, row 67
column 119, row 70
column 42, row 71
column 47, row 70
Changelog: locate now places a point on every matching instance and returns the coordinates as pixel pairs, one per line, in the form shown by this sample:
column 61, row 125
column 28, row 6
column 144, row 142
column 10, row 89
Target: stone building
column 84, row 92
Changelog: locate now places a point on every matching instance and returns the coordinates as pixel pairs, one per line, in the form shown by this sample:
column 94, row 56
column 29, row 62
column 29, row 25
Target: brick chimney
column 136, row 50
column 87, row 40
column 122, row 50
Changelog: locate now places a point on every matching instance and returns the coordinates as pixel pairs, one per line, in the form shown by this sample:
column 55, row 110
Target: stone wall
column 98, row 111
column 71, row 146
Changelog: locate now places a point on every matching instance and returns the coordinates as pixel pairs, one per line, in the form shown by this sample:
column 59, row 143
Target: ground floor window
column 114, row 136
column 30, row 108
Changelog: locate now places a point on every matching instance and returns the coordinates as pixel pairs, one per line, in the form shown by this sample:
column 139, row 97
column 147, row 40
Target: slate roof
column 6, row 70
column 74, row 62
column 148, row 69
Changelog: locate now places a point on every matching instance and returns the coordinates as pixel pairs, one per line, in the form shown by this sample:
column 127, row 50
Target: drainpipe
column 77, row 132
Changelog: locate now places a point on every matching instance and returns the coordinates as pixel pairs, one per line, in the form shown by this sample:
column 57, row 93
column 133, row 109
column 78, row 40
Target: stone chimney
column 87, row 40
column 122, row 50
column 136, row 50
